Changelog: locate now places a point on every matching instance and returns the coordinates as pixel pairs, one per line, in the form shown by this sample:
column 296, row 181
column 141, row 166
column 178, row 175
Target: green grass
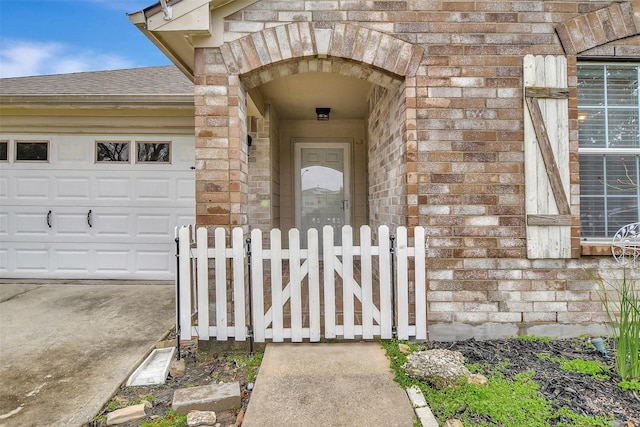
column 170, row 419
column 534, row 338
column 596, row 369
column 633, row 385
column 502, row 402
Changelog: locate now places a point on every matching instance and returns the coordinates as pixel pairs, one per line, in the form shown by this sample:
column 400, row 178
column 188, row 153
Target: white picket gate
column 254, row 269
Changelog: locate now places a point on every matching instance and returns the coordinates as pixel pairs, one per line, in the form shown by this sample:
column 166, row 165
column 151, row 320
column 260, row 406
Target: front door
column 322, row 188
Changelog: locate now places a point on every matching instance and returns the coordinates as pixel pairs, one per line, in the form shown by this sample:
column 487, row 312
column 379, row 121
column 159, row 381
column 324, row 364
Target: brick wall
column 445, row 150
column 387, row 159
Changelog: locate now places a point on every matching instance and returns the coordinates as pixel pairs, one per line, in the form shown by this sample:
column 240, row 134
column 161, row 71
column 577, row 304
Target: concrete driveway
column 65, row 347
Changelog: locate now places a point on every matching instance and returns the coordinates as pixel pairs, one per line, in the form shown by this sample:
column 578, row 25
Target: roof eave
column 193, row 23
column 98, row 101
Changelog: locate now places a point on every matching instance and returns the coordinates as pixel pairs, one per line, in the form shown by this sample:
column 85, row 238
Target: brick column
column 221, row 149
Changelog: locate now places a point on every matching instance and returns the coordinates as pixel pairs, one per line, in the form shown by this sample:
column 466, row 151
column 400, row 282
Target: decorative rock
column 441, row 368
column 453, row 423
column 201, row 418
column 240, row 417
column 125, row 415
column 477, row 379
column 166, row 343
column 404, row 349
column 219, row 398
column 177, row 368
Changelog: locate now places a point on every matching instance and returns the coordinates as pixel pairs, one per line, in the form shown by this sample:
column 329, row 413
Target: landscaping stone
column 125, row 415
column 404, row 349
column 440, row 367
column 201, row 418
column 214, row 397
column 177, row 368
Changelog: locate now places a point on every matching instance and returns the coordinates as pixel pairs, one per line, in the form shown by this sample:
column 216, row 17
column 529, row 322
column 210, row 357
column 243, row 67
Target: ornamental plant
column 621, row 300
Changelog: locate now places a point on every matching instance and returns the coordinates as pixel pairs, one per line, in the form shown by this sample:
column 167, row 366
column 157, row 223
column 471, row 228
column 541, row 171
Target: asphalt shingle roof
column 164, row 80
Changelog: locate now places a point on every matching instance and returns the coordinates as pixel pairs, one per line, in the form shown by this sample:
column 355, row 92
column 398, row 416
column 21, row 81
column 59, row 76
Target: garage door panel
column 32, row 224
column 154, row 261
column 107, row 224
column 4, row 225
column 4, row 188
column 73, row 261
column 113, row 189
column 186, row 189
column 29, row 261
column 32, row 188
column 153, row 189
column 112, row 261
column 75, row 189
column 71, row 225
column 4, row 261
column 153, row 225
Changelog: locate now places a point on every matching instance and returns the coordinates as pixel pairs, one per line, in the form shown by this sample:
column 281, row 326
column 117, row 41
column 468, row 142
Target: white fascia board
column 189, row 16
column 215, row 38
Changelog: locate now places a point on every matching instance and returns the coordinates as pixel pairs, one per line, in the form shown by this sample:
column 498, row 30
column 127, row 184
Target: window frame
column 7, row 143
column 632, row 152
column 117, row 162
column 153, row 162
column 31, row 141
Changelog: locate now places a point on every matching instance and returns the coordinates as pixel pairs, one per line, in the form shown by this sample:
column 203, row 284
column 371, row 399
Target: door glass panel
column 323, row 200
column 108, row 151
column 32, row 151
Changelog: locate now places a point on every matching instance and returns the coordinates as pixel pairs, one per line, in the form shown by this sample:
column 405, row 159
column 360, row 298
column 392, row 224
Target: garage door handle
column 89, row 218
column 49, row 219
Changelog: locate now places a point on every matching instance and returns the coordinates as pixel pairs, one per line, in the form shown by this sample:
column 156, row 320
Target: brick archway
column 304, row 40
column 225, row 75
column 596, row 28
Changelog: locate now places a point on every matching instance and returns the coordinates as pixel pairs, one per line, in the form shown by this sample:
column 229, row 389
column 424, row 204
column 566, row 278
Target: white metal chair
column 626, row 245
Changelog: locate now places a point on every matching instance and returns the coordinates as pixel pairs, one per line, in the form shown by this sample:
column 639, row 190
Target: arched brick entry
column 305, row 39
column 223, row 77
column 596, row 28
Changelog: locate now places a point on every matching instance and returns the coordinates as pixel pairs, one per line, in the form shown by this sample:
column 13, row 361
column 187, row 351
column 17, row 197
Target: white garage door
column 93, row 207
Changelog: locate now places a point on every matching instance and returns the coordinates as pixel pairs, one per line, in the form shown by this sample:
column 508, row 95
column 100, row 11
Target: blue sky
column 66, row 36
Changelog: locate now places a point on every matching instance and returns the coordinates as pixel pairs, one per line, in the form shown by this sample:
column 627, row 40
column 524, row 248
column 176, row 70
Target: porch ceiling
column 296, row 97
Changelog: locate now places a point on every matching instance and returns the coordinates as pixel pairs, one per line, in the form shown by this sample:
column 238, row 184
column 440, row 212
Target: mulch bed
column 201, row 369
column 580, row 392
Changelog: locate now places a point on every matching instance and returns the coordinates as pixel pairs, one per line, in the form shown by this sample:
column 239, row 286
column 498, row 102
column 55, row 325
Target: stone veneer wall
column 464, row 176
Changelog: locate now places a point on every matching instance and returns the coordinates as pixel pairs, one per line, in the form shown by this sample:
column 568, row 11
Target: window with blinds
column 608, row 110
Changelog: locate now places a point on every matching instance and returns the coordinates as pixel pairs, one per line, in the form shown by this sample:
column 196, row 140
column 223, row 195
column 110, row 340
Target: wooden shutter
column 546, row 149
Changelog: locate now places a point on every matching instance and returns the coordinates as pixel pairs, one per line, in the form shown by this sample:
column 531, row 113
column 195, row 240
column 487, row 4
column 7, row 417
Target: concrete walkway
column 65, row 348
column 346, row 384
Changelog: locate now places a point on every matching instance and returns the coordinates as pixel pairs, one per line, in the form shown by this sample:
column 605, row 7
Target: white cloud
column 24, row 58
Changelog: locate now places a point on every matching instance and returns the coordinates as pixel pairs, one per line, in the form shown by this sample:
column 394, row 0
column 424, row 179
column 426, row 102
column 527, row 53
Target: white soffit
column 193, row 23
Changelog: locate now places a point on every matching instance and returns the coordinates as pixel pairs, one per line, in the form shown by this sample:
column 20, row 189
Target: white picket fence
column 303, row 289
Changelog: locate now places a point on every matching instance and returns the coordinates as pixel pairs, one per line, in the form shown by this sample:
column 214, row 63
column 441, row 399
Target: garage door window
column 158, row 152
column 112, row 151
column 4, row 151
column 32, row 151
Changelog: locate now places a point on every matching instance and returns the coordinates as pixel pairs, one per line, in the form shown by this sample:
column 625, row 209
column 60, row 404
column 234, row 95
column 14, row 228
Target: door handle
column 49, row 219
column 89, row 218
